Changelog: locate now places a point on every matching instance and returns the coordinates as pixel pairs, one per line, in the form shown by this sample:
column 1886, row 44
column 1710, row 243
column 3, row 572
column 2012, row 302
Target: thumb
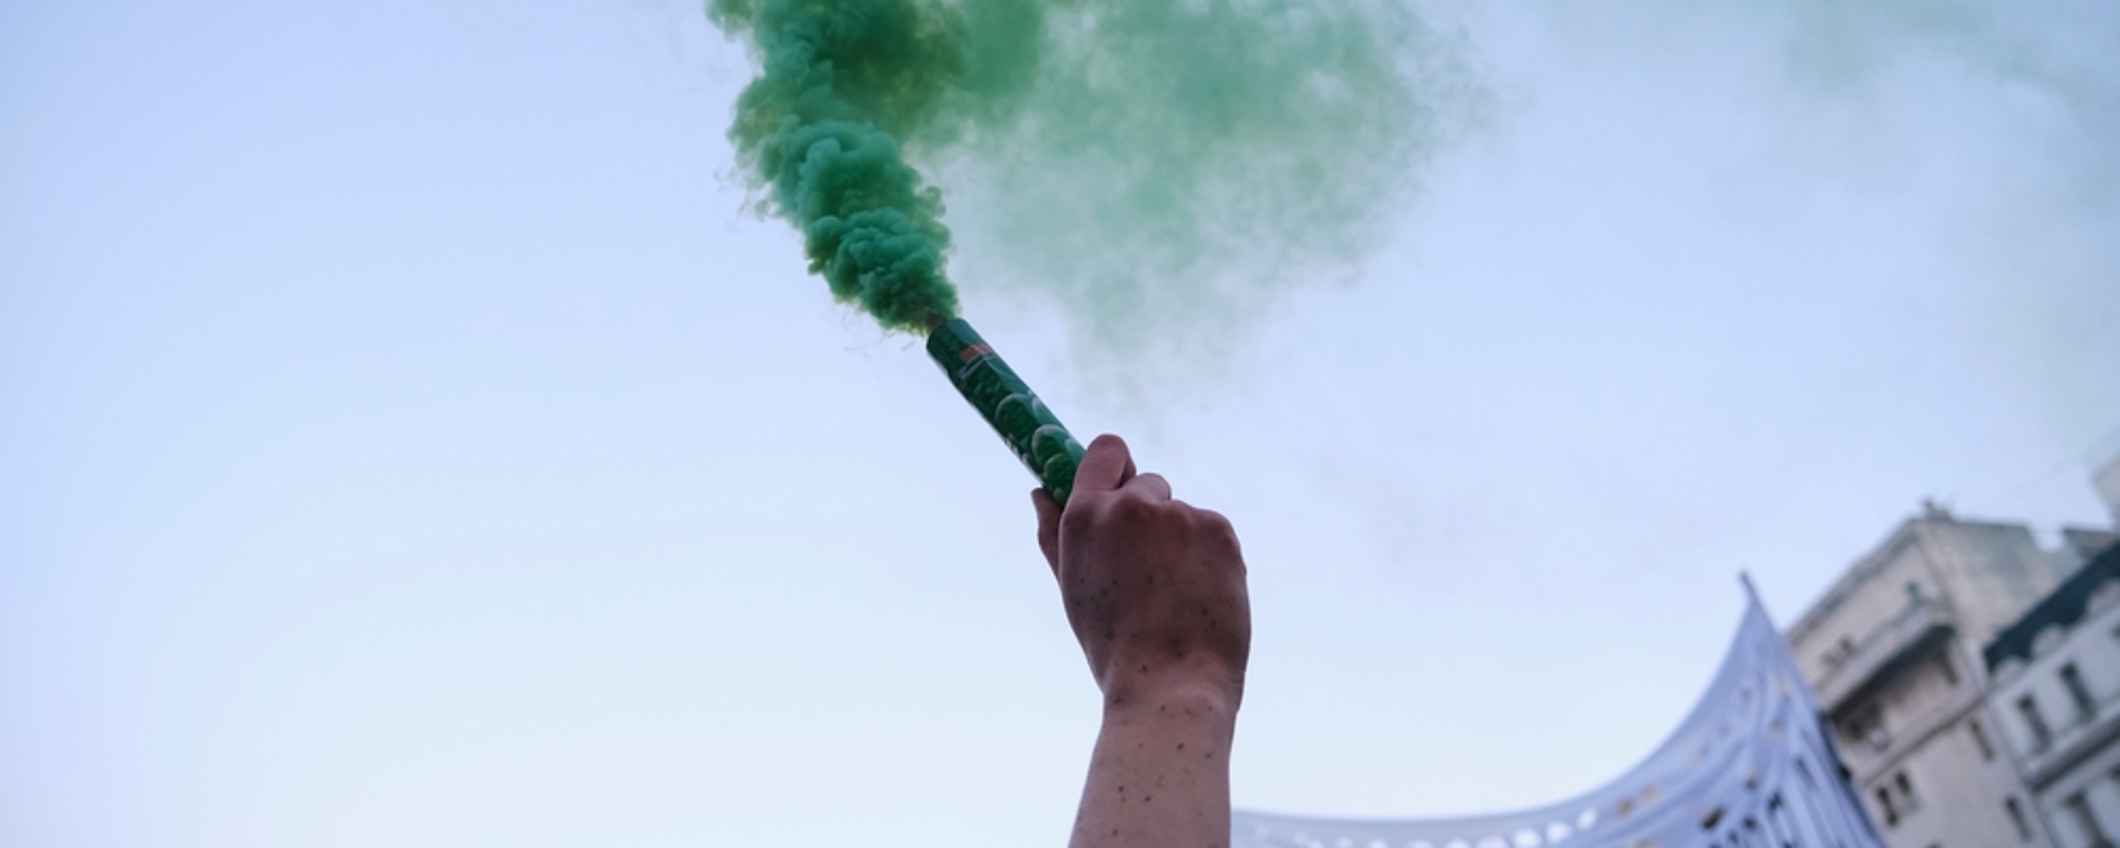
column 1106, row 464
column 1048, row 528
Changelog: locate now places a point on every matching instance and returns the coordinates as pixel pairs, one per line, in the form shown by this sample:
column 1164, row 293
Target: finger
column 1048, row 528
column 1150, row 485
column 1105, row 466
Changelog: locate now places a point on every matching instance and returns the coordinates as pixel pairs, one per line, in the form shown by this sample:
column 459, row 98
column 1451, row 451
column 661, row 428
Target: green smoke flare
column 1141, row 160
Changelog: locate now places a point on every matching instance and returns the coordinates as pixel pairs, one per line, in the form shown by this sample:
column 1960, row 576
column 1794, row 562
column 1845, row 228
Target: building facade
column 2056, row 686
column 1894, row 651
column 1749, row 767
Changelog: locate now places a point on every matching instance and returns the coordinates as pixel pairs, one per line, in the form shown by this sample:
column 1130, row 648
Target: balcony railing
column 2081, row 737
column 1882, row 649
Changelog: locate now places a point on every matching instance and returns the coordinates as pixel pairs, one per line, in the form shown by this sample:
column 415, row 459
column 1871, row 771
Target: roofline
column 1863, row 567
column 2066, row 606
column 1856, row 573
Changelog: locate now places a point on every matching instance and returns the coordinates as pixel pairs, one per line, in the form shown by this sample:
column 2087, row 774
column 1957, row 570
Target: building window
column 2035, row 722
column 1895, row 799
column 2016, row 811
column 2079, row 814
column 1980, row 740
column 2077, row 692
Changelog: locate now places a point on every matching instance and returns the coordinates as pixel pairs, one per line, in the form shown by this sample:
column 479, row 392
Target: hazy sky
column 411, row 442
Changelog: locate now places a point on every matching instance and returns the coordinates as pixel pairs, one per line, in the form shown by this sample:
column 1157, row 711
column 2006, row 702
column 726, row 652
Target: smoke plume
column 1127, row 157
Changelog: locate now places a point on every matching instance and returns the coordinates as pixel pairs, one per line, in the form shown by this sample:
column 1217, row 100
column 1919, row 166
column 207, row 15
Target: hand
column 1154, row 587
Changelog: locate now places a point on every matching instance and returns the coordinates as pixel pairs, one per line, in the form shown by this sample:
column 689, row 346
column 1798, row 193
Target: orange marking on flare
column 974, row 353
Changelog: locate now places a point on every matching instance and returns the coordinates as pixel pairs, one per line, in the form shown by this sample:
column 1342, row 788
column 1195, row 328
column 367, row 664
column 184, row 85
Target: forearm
column 1160, row 774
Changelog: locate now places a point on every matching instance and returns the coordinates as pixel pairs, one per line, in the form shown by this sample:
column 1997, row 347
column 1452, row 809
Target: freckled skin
column 1154, row 589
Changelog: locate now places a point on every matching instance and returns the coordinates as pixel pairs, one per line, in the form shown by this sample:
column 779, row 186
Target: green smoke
column 846, row 86
column 1132, row 158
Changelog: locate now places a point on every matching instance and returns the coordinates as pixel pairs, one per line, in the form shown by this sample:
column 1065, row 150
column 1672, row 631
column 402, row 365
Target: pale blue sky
column 410, row 441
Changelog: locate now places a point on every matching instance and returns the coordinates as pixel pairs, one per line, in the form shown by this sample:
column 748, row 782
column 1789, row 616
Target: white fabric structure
column 1748, row 768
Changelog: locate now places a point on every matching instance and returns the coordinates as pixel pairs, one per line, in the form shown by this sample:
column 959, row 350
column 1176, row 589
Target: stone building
column 2056, row 688
column 1893, row 651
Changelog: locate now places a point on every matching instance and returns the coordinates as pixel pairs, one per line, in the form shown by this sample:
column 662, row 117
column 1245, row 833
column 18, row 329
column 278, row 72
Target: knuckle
column 1133, row 509
column 1217, row 528
column 1079, row 517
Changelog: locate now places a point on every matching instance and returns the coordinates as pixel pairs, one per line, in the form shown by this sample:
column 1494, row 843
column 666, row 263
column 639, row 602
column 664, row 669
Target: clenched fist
column 1154, row 587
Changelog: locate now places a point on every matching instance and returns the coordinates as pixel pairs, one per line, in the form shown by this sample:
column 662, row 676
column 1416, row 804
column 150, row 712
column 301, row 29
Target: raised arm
column 1154, row 589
